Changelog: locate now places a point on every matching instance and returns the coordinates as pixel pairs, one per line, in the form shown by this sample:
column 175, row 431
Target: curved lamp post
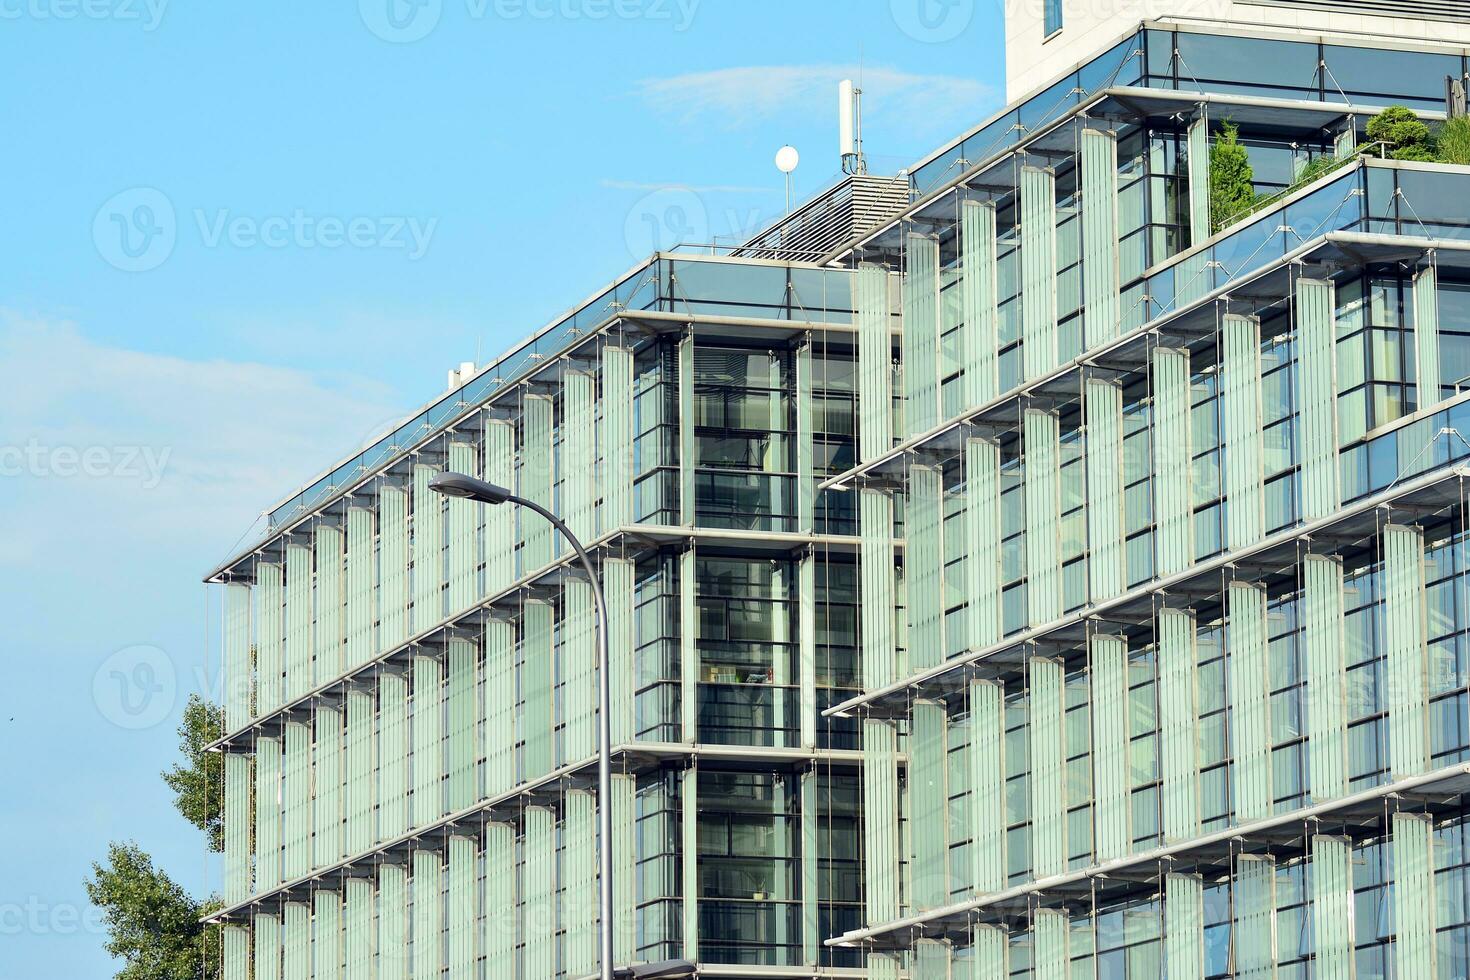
column 469, row 488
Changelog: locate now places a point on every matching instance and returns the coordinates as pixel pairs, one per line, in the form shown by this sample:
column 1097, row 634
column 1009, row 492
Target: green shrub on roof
column 1402, row 134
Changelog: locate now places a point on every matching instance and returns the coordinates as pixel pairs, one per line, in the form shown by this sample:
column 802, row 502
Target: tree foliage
column 1232, row 187
column 198, row 783
column 1454, row 141
column 1403, row 134
column 1396, row 132
column 152, row 923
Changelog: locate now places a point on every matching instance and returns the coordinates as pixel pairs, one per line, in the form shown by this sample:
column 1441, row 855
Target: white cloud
column 741, row 96
column 115, row 454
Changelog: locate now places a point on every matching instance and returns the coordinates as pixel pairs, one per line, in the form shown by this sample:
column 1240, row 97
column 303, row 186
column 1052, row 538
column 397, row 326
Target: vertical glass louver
column 1332, row 907
column 875, row 361
column 1178, row 723
column 361, row 586
column 1249, row 682
column 298, row 620
column 1316, row 333
column 393, row 558
column 328, row 602
column 979, row 296
column 988, row 806
column 1112, row 801
column 1173, row 456
column 500, row 522
column 1099, row 169
column 1405, row 656
column 1240, row 425
column 237, row 654
column 1042, row 481
column 921, row 330
column 1326, row 680
column 1197, row 156
column 1038, row 227
column 270, row 631
column 928, row 804
column 1048, row 759
column 1184, row 927
column 1255, row 917
column 1427, row 370
column 1106, row 519
column 462, row 520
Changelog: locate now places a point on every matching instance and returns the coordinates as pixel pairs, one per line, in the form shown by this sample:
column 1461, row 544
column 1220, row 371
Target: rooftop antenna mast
column 850, row 127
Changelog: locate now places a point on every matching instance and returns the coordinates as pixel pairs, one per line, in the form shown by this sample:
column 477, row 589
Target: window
column 1053, row 17
column 743, row 438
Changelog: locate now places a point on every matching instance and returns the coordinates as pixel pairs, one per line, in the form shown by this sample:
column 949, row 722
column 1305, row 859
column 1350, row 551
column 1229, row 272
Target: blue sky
column 241, row 238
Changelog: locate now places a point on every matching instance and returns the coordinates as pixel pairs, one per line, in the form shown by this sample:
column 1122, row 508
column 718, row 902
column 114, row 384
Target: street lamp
column 469, row 488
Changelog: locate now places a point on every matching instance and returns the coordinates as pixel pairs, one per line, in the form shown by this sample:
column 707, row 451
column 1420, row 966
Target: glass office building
column 1050, row 582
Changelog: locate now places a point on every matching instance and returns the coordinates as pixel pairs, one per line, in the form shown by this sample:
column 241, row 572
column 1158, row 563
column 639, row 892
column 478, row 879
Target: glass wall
column 748, row 853
column 1305, row 69
column 834, row 435
column 748, row 667
column 744, row 419
column 656, row 434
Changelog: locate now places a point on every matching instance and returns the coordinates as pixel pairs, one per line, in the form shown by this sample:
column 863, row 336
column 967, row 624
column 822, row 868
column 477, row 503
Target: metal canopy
column 577, row 354
column 547, row 791
column 1270, row 562
column 541, row 585
column 1359, row 817
column 996, row 175
column 1193, row 327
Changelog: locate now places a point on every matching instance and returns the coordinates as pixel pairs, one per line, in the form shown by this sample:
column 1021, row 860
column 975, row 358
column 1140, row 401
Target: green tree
column 1232, row 187
column 1403, row 134
column 152, row 923
column 198, row 783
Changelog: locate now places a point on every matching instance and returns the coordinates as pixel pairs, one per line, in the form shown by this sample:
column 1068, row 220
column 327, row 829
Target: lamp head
column 663, row 970
column 459, row 485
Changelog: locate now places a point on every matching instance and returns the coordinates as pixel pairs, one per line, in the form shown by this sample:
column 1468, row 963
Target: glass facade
column 1052, row 585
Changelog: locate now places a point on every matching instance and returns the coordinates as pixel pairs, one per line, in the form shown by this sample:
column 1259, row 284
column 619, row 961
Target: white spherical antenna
column 787, row 158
